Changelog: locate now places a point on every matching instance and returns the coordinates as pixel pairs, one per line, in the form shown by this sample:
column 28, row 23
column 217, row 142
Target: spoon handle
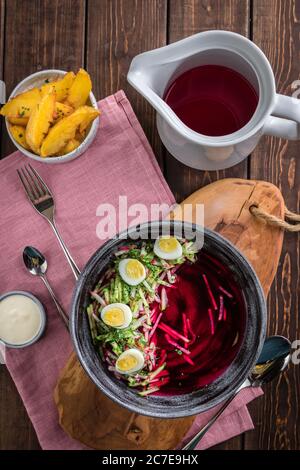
column 67, row 254
column 200, row 434
column 60, row 309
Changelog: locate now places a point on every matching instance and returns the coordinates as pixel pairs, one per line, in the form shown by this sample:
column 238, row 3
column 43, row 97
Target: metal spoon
column 273, row 360
column 36, row 264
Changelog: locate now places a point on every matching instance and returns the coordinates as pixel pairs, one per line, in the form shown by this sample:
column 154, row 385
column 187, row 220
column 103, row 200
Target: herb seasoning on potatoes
column 52, row 120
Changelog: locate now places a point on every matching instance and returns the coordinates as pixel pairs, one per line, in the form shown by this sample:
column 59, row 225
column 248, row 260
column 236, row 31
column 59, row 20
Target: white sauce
column 20, row 319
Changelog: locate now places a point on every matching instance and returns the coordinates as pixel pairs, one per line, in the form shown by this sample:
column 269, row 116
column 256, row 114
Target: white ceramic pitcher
column 152, row 72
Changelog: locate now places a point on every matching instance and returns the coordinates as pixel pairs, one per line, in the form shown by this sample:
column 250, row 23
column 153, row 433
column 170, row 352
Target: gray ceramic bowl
column 37, row 80
column 43, row 319
column 186, row 404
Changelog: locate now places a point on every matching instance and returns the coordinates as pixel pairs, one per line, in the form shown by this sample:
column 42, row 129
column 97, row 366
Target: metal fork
column 42, row 200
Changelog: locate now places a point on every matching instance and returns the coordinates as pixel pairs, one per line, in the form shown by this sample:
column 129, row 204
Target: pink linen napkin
column 119, row 162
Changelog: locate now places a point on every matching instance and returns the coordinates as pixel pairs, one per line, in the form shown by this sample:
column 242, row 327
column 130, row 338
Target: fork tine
column 41, row 181
column 30, row 182
column 27, row 191
column 34, row 182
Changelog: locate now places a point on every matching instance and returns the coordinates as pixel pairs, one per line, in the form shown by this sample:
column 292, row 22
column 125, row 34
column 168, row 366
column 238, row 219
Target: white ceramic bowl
column 37, row 80
column 42, row 315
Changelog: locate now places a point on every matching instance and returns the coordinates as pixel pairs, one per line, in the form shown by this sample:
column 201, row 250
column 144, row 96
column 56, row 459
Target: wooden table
column 103, row 36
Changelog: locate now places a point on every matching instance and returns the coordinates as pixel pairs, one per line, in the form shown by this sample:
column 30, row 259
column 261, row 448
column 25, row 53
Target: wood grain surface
column 116, row 32
column 104, row 35
column 276, row 29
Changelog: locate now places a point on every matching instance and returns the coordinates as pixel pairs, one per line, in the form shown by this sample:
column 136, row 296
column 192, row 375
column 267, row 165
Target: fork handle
column 70, row 260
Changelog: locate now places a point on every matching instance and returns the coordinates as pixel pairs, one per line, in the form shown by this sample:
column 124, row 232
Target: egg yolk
column 168, row 244
column 134, row 269
column 114, row 317
column 127, row 363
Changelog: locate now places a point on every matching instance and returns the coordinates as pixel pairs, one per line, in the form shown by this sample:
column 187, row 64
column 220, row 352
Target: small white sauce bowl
column 37, row 80
column 42, row 315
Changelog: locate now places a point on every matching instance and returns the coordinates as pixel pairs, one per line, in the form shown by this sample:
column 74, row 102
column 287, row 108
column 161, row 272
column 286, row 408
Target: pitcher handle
column 285, row 119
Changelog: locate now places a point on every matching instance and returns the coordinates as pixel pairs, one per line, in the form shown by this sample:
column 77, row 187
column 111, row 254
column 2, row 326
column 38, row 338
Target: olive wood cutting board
column 89, row 416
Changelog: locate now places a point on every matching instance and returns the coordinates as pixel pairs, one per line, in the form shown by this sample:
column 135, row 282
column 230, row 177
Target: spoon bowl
column 36, row 264
column 34, row 261
column 274, row 358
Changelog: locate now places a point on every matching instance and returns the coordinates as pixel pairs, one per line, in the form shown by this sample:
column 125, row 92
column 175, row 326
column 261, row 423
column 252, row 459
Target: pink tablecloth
column 119, row 162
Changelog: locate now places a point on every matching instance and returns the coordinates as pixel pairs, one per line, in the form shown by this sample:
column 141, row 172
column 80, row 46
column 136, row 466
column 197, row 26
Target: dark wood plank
column 118, row 30
column 16, row 430
column 188, row 17
column 39, row 35
column 2, row 19
column 276, row 29
column 236, row 443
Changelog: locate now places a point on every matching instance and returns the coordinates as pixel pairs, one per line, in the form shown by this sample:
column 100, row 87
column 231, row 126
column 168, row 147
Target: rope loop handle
column 276, row 221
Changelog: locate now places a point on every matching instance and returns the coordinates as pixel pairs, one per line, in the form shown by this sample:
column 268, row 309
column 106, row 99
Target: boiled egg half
column 116, row 315
column 167, row 247
column 132, row 271
column 130, row 361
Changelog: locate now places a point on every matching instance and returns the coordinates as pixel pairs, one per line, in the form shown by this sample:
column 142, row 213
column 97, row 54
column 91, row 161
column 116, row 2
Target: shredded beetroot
column 211, row 319
column 124, row 248
column 167, row 329
column 170, row 341
column 155, row 325
column 221, row 309
column 163, row 382
column 225, row 292
column 154, row 310
column 185, row 328
column 163, row 373
column 188, row 359
column 163, row 357
column 225, row 314
column 211, row 296
column 188, row 322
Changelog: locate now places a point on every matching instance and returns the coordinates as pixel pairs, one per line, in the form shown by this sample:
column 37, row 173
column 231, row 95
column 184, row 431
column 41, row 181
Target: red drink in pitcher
column 212, row 99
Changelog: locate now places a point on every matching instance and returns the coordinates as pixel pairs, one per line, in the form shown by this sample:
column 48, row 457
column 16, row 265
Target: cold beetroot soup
column 166, row 318
column 208, row 306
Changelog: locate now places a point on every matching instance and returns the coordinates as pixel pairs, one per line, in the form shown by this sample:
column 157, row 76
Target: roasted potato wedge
column 80, row 135
column 18, row 121
column 62, row 110
column 65, row 130
column 40, row 120
column 71, row 145
column 21, row 105
column 85, row 124
column 61, row 87
column 18, row 133
column 80, row 89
